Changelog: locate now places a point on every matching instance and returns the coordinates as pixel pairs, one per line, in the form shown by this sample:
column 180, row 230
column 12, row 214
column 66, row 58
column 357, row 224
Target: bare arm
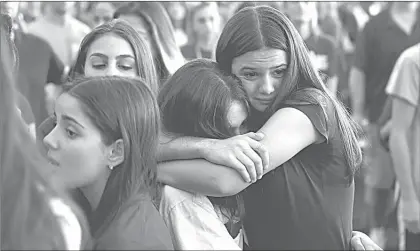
column 171, row 148
column 357, row 92
column 292, row 126
column 401, row 122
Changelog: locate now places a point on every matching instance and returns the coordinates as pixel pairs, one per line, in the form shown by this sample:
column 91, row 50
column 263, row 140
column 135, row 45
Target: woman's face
column 103, row 13
column 140, row 25
column 75, row 146
column 206, row 22
column 261, row 73
column 110, row 55
column 236, row 116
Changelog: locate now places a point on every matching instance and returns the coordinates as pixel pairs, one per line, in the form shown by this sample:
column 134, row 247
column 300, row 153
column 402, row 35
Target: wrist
column 204, row 146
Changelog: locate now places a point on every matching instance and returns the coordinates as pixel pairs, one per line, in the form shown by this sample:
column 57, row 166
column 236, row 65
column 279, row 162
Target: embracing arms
column 286, row 133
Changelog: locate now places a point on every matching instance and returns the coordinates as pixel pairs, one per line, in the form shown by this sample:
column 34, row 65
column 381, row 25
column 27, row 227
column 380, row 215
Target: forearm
column 402, row 164
column 357, row 91
column 201, row 176
column 177, row 148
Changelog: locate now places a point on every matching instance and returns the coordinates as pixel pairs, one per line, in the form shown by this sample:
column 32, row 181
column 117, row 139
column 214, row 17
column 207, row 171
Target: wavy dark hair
column 27, row 219
column 168, row 57
column 195, row 102
column 122, row 108
column 144, row 59
column 255, row 28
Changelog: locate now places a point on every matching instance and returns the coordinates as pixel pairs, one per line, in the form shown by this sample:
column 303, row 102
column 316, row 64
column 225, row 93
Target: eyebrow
column 97, row 54
column 253, row 68
column 66, row 117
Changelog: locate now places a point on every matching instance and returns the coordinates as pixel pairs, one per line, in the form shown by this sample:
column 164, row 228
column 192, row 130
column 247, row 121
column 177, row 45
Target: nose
column 111, row 70
column 50, row 141
column 267, row 85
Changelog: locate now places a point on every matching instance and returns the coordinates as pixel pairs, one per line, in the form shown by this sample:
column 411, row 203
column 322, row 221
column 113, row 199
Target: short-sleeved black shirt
column 377, row 49
column 38, row 65
column 306, row 203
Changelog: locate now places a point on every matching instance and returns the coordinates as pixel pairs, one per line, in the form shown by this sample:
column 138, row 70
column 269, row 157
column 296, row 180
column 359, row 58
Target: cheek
column 81, row 163
column 250, row 87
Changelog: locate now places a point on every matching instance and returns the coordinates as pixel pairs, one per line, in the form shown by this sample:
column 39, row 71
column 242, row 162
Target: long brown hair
column 144, row 59
column 255, row 28
column 122, row 108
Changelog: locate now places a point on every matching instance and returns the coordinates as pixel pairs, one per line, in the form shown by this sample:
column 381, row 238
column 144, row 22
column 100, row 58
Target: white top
column 64, row 40
column 194, row 223
column 71, row 229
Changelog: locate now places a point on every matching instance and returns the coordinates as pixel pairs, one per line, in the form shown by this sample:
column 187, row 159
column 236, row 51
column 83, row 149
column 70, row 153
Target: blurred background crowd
column 341, row 37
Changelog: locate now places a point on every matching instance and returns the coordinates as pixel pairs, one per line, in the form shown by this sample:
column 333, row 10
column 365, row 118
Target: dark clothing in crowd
column 306, row 203
column 324, row 45
column 377, row 49
column 38, row 65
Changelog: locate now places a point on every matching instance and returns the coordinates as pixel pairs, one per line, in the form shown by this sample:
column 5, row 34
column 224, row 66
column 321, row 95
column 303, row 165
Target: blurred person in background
column 60, row 29
column 404, row 90
column 328, row 20
column 153, row 23
column 102, row 12
column 30, row 11
column 383, row 39
column 203, row 26
column 323, row 48
column 37, row 68
column 35, row 214
column 177, row 12
column 276, row 5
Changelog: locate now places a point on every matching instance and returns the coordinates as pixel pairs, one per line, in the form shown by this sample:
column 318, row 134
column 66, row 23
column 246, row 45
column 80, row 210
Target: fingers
column 257, row 162
column 356, row 244
column 239, row 167
column 262, row 152
column 255, row 135
column 248, row 163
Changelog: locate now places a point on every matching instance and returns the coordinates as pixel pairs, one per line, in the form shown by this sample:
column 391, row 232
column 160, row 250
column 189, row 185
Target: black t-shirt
column 189, row 52
column 377, row 49
column 306, row 203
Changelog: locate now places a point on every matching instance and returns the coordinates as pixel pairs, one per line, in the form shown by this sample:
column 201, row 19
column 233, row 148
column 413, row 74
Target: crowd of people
column 210, row 125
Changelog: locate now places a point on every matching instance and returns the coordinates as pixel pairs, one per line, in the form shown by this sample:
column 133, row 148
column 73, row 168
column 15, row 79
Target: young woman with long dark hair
column 308, row 152
column 104, row 143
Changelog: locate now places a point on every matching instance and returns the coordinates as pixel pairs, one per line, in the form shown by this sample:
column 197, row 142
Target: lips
column 264, row 101
column 52, row 161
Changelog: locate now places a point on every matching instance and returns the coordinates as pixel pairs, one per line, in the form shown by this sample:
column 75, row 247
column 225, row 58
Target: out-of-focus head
column 302, row 14
column 115, row 49
column 262, row 48
column 176, row 10
column 153, row 23
column 59, row 8
column 199, row 100
column 102, row 13
column 9, row 8
column 105, row 123
column 203, row 22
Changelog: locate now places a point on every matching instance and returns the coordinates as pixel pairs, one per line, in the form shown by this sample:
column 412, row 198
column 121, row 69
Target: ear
column 116, row 153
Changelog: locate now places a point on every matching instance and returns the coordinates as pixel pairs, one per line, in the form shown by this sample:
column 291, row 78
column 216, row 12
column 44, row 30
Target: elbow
column 225, row 186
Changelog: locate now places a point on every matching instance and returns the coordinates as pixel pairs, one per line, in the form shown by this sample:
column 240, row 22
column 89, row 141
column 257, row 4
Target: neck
column 94, row 191
column 204, row 44
column 305, row 31
column 60, row 20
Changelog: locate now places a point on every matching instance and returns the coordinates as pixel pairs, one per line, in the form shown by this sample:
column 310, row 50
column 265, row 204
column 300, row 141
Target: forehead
column 237, row 114
column 111, row 45
column 70, row 106
column 260, row 59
